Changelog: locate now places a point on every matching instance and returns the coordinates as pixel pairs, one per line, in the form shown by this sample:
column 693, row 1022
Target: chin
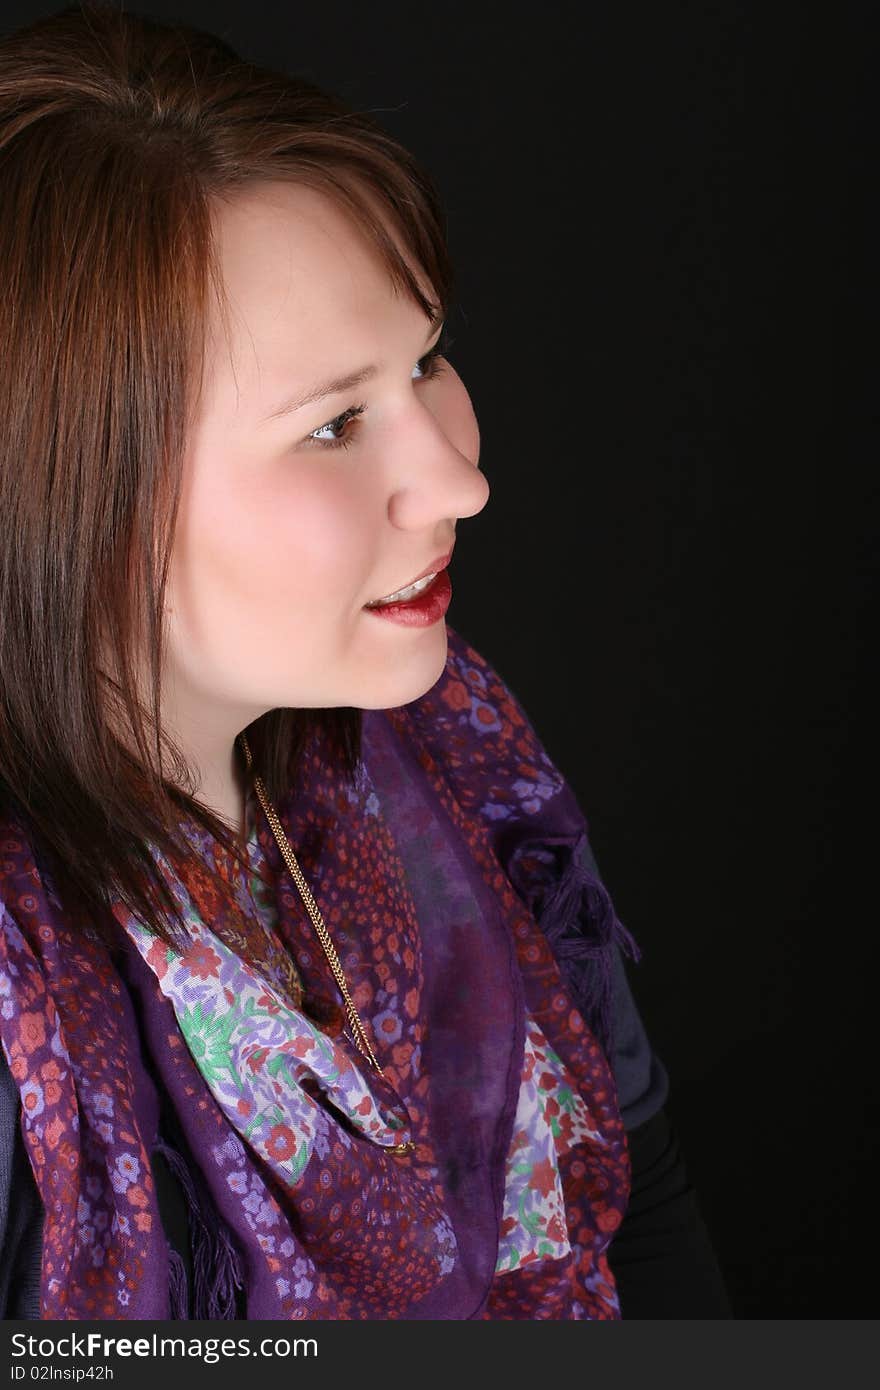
column 407, row 679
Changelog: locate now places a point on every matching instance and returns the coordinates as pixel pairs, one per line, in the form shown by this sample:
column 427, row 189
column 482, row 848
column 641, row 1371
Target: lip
column 426, row 610
column 439, row 564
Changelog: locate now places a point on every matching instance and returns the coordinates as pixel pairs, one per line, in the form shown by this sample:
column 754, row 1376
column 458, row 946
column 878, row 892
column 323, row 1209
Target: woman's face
column 281, row 538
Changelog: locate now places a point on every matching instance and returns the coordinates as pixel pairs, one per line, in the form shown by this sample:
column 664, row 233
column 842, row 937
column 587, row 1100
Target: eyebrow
column 332, row 388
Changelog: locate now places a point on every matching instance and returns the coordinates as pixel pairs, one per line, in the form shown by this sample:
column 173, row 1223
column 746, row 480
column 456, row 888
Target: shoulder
column 640, row 1075
column 21, row 1210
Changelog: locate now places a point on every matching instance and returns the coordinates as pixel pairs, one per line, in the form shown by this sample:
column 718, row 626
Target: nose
column 441, row 478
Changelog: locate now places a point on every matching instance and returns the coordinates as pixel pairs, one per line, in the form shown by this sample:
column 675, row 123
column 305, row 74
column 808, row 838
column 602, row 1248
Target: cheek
column 292, row 542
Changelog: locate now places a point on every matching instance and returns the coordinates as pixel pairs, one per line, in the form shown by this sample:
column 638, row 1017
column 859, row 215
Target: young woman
column 311, row 998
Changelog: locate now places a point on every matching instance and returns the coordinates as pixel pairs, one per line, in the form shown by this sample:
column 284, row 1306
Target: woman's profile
column 312, row 1000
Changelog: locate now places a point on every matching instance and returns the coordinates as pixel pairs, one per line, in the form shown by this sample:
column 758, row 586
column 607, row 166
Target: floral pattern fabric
column 255, row 1052
column 470, row 1012
column 550, row 1119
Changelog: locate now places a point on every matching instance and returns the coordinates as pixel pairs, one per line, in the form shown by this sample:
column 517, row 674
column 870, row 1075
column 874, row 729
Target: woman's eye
column 344, row 441
column 430, row 366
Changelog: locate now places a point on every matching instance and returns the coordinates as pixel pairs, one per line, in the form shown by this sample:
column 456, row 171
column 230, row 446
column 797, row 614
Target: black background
column 659, row 217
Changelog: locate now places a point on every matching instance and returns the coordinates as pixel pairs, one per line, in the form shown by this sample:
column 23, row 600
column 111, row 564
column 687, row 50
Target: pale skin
column 280, row 542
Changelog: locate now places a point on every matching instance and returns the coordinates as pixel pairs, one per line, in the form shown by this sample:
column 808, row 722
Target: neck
column 223, row 790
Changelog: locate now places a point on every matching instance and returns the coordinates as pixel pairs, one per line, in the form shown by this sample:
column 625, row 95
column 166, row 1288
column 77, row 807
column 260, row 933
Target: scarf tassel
column 177, row 1284
column 216, row 1269
column 578, row 919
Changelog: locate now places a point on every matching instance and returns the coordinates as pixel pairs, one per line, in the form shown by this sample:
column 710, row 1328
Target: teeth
column 401, row 595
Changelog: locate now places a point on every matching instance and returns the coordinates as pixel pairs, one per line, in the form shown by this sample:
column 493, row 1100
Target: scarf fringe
column 178, row 1300
column 578, row 919
column 216, row 1269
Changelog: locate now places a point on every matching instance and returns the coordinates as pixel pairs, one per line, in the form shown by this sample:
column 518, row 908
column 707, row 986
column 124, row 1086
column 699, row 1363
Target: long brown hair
column 117, row 133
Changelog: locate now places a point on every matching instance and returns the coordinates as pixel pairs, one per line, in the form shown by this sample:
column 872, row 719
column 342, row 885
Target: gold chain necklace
column 358, row 1032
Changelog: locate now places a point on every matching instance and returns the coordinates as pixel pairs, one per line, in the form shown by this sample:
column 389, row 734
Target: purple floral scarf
column 479, row 952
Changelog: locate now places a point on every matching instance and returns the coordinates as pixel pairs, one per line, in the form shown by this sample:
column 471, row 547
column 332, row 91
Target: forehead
column 302, row 284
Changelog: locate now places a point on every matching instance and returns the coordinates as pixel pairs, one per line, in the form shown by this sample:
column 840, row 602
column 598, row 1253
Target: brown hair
column 116, row 135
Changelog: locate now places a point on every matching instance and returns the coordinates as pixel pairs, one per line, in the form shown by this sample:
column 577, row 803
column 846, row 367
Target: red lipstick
column 425, row 608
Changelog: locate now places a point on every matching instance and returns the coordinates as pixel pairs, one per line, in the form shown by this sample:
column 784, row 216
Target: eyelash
column 434, row 369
